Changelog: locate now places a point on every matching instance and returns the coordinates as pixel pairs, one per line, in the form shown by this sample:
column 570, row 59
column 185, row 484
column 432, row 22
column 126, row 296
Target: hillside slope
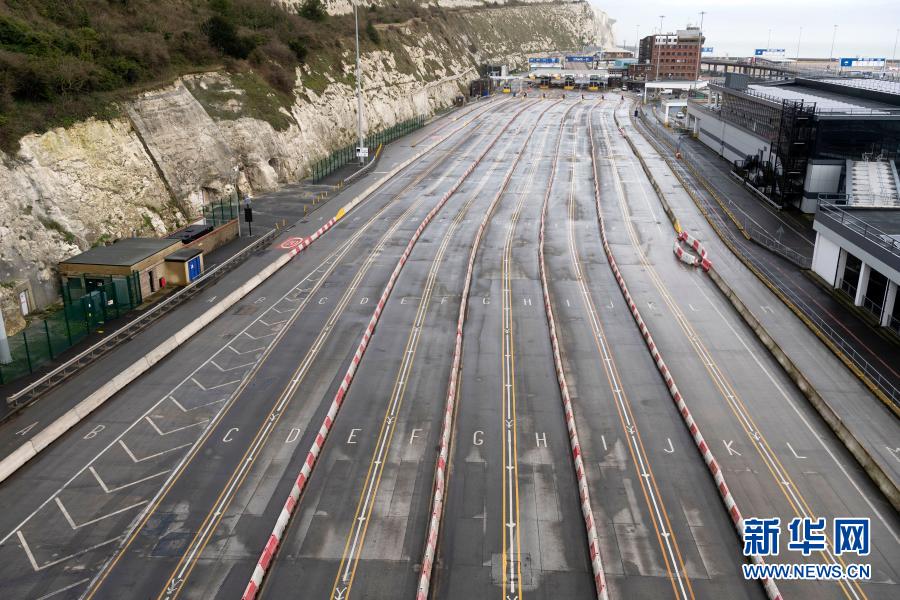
column 156, row 155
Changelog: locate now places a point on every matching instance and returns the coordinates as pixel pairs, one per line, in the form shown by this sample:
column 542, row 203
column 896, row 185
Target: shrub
column 298, row 47
column 313, row 10
column 222, row 34
column 373, row 33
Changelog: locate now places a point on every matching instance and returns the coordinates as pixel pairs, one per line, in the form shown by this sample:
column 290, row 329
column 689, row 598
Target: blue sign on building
column 863, row 62
column 544, row 60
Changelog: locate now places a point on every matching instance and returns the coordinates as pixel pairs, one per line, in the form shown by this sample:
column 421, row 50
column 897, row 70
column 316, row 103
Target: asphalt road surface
column 172, row 488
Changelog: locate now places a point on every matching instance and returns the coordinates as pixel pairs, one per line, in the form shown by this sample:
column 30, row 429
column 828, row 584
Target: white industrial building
column 858, row 252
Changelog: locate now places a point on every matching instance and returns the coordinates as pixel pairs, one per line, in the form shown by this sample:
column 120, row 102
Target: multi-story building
column 672, row 55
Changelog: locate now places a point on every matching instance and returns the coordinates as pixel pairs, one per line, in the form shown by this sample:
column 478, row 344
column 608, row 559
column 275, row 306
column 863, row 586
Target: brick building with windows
column 671, row 55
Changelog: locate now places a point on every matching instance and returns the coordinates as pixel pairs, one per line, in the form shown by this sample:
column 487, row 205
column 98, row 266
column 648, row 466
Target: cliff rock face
column 172, row 149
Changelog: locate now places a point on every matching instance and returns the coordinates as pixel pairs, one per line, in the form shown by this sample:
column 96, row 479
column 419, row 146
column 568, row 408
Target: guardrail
column 810, row 314
column 752, row 230
column 37, row 388
column 854, row 223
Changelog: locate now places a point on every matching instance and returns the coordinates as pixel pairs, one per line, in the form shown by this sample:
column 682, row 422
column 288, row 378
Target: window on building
column 850, row 276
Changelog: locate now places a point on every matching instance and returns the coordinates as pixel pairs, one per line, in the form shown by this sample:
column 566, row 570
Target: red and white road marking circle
column 291, row 243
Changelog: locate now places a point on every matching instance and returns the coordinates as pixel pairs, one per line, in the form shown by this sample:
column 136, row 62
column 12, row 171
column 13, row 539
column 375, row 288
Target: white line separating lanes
column 712, row 464
column 440, row 475
column 578, row 462
column 299, row 485
column 29, row 449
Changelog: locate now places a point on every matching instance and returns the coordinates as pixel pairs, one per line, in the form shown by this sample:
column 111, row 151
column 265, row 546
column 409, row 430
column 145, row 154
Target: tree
column 313, row 10
column 373, row 33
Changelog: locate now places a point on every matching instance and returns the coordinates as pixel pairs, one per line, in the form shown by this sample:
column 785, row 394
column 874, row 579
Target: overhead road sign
column 544, row 60
column 863, row 62
column 707, row 50
column 579, row 59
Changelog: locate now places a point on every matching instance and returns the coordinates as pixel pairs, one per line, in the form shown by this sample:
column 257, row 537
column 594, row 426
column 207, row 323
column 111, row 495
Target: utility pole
column 656, row 47
column 799, row 37
column 769, row 41
column 831, row 55
column 894, row 55
column 700, row 44
column 359, row 114
column 637, row 40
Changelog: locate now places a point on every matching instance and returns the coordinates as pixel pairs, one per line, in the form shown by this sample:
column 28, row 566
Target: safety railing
column 848, row 348
column 129, row 330
column 854, row 223
column 345, row 155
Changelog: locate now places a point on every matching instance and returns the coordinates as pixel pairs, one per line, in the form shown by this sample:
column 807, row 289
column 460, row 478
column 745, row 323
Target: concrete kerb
column 706, row 453
column 31, row 447
column 443, row 460
column 774, row 289
column 865, row 459
column 584, row 494
column 273, row 542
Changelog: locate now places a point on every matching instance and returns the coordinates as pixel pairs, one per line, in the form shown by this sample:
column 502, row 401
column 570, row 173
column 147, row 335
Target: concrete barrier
column 30, row 448
column 274, row 540
column 865, row 459
column 584, row 493
column 443, row 460
column 709, row 459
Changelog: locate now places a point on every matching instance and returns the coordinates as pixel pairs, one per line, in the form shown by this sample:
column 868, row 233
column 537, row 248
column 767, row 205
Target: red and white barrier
column 715, row 470
column 686, row 257
column 271, row 546
column 583, row 491
column 440, row 470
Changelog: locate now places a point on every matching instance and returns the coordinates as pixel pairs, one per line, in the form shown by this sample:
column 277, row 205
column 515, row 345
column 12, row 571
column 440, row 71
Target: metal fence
column 754, row 231
column 87, row 304
column 221, row 212
column 848, row 347
column 342, row 156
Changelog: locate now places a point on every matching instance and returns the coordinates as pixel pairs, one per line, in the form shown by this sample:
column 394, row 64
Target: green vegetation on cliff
column 65, row 60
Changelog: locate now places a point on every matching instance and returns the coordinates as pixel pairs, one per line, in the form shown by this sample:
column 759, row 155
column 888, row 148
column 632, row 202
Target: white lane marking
column 213, row 387
column 140, row 460
column 75, row 526
column 171, row 431
column 37, row 567
column 403, row 375
column 64, row 589
column 224, row 370
column 110, row 490
column 792, row 403
column 723, row 383
column 198, row 407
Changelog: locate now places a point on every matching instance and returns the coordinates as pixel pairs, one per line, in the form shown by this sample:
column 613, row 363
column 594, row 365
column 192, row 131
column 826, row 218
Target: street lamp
column 833, row 36
column 700, row 43
column 359, row 114
column 658, row 50
column 799, row 37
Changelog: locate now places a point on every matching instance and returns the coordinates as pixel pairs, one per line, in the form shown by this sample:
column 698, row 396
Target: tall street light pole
column 656, row 46
column 833, row 36
column 769, row 41
column 637, row 40
column 894, row 55
column 799, row 37
column 359, row 107
column 700, row 43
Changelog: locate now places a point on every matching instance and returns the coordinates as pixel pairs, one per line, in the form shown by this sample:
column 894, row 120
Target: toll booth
column 569, row 82
column 594, row 83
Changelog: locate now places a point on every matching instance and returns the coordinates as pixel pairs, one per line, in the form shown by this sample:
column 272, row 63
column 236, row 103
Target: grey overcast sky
column 735, row 27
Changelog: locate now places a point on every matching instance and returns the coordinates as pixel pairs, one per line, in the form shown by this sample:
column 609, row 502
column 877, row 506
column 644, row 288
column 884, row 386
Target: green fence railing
column 88, row 303
column 347, row 154
column 220, row 212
